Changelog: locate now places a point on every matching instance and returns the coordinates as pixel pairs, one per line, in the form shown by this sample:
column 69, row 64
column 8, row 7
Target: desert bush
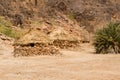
column 107, row 40
column 5, row 28
column 4, row 22
column 9, row 32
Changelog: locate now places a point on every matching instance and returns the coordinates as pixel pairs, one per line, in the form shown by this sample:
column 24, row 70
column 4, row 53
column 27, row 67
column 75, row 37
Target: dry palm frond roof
column 33, row 36
column 61, row 34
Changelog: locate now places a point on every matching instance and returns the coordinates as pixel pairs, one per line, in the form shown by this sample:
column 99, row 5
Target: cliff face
column 93, row 14
column 90, row 14
column 87, row 12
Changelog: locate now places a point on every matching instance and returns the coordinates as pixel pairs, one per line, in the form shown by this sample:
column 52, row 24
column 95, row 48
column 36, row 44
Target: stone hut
column 62, row 39
column 34, row 43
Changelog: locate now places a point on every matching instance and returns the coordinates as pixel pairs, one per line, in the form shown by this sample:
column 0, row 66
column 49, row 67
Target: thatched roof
column 33, row 36
column 61, row 34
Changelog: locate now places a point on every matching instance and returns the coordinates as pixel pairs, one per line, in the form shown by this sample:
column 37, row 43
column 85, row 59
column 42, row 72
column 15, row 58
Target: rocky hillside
column 90, row 14
column 72, row 15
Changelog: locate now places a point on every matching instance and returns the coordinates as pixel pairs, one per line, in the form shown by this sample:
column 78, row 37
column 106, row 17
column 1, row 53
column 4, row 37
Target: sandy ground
column 72, row 65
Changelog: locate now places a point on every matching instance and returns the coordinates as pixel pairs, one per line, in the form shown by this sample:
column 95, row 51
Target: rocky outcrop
column 6, row 44
column 86, row 14
column 91, row 14
column 6, row 40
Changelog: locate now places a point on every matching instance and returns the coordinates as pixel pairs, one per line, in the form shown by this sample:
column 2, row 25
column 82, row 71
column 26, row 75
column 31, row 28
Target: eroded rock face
column 95, row 13
column 89, row 14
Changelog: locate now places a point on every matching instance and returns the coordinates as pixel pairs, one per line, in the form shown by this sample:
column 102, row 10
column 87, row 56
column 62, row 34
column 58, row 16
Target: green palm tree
column 107, row 40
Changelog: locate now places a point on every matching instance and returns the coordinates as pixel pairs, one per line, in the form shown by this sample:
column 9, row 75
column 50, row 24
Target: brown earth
column 72, row 65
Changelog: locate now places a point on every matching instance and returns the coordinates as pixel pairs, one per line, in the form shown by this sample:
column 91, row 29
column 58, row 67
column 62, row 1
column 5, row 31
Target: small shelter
column 63, row 39
column 34, row 43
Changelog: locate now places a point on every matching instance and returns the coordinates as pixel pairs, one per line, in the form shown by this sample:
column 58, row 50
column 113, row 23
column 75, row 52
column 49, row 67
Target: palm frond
column 108, row 39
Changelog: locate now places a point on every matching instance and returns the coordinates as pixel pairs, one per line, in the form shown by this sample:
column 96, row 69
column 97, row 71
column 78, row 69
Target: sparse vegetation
column 107, row 40
column 4, row 22
column 9, row 32
column 5, row 28
column 36, row 23
column 71, row 16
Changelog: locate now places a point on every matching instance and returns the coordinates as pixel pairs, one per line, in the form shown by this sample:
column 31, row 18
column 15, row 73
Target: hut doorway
column 32, row 44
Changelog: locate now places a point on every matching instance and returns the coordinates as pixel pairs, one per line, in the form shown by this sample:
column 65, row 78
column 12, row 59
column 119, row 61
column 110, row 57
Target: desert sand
column 72, row 65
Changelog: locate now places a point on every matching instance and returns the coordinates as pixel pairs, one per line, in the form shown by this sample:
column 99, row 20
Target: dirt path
column 72, row 65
